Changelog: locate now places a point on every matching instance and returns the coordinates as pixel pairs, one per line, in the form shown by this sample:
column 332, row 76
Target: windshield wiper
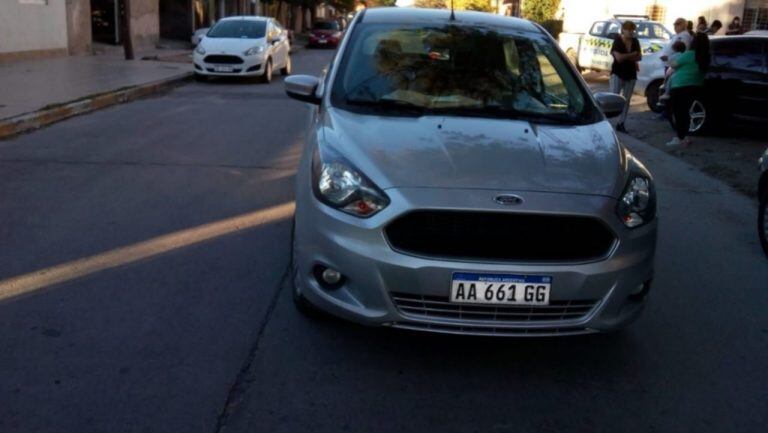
column 390, row 105
column 499, row 112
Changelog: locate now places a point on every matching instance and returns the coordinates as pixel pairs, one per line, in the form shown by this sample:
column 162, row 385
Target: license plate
column 322, row 41
column 507, row 289
column 222, row 68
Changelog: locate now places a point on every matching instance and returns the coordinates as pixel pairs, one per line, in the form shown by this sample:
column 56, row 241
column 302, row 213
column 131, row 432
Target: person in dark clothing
column 626, row 54
column 714, row 28
column 689, row 27
column 690, row 68
column 734, row 28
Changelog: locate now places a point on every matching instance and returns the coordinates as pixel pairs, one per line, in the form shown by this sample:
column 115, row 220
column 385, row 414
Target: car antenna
column 453, row 14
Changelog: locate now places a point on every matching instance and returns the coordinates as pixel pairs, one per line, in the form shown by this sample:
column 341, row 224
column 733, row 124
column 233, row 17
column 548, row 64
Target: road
column 142, row 275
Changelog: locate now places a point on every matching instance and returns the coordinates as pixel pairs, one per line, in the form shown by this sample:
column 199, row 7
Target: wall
column 32, row 30
column 79, row 27
column 578, row 18
column 145, row 23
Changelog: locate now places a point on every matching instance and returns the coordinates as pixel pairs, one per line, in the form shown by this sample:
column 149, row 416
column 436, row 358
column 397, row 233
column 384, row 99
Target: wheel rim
column 698, row 115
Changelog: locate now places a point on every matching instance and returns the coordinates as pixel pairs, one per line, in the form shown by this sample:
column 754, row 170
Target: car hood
column 230, row 45
column 466, row 153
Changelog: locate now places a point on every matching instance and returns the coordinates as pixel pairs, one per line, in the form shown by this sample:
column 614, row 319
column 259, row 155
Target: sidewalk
column 30, row 90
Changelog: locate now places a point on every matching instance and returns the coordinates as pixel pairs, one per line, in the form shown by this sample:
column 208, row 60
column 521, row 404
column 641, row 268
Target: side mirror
column 303, row 88
column 611, row 103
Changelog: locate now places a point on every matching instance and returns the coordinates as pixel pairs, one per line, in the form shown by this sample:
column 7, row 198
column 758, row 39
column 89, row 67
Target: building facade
column 31, row 29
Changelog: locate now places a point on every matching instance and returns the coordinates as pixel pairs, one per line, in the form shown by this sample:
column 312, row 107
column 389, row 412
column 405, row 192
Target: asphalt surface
column 147, row 319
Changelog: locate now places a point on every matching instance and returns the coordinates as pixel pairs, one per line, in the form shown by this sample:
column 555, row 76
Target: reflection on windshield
column 456, row 69
column 239, row 29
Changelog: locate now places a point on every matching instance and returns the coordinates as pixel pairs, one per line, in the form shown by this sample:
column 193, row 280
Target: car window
column 738, row 54
column 326, row 25
column 241, row 29
column 457, row 69
column 613, row 29
column 646, row 30
column 597, row 28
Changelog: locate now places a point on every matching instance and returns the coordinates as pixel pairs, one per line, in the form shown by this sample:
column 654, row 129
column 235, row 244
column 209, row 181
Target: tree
column 433, row 4
column 540, row 10
column 473, row 5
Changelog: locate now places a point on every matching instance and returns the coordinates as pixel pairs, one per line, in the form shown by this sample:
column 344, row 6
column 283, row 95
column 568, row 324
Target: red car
column 325, row 34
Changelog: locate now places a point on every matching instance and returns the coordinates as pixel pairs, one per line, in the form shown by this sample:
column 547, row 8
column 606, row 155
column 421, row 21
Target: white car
column 243, row 46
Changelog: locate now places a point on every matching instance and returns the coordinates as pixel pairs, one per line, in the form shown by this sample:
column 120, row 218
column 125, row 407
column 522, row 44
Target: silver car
column 458, row 177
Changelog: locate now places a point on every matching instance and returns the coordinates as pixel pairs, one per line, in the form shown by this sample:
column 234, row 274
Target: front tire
column 652, row 94
column 571, row 54
column 762, row 221
column 266, row 77
column 286, row 70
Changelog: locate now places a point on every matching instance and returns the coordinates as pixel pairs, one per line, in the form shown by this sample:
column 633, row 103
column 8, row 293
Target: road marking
column 32, row 281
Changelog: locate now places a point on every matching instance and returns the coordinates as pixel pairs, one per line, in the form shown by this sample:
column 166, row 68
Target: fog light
column 331, row 276
column 328, row 278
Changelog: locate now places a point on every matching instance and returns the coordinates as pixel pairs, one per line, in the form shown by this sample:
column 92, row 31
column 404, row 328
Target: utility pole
column 126, row 33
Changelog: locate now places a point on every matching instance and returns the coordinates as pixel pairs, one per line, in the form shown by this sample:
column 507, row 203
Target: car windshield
column 485, row 72
column 326, row 25
column 240, row 29
column 652, row 31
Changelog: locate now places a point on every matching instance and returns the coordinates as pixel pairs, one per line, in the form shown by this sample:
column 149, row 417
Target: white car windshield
column 238, row 29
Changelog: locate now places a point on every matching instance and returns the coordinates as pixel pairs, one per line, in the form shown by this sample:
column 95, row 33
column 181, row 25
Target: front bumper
column 250, row 66
column 373, row 271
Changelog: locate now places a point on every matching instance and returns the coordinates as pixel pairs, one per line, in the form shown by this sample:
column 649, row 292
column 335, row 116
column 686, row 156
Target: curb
column 52, row 114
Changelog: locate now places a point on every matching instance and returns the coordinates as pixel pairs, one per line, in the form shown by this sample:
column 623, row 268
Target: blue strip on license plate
column 501, row 278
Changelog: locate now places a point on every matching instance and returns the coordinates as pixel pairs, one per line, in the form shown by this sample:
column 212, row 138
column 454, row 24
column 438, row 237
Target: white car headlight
column 637, row 205
column 337, row 183
column 254, row 50
column 200, row 50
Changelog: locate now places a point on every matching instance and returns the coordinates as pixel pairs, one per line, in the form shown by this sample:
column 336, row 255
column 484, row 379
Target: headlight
column 200, row 50
column 637, row 205
column 254, row 50
column 337, row 183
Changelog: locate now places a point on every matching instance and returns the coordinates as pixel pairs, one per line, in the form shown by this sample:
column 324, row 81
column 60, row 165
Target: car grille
column 500, row 236
column 223, row 59
column 439, row 307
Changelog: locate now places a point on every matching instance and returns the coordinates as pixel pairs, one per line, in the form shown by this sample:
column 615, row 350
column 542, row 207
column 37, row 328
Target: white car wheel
column 267, row 76
column 286, row 70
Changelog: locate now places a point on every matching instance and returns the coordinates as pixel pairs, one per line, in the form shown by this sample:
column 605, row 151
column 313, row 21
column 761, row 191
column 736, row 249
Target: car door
column 593, row 53
column 273, row 40
column 285, row 44
column 737, row 76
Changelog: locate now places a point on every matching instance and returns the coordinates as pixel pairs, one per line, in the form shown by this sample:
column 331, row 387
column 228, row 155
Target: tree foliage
column 540, row 10
column 473, row 5
column 432, row 4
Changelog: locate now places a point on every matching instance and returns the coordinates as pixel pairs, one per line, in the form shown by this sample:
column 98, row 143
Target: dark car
column 762, row 193
column 325, row 34
column 736, row 87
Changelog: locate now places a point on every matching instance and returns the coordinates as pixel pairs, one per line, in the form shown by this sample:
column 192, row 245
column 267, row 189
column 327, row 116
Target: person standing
column 702, row 26
column 734, row 28
column 626, row 54
column 682, row 35
column 690, row 68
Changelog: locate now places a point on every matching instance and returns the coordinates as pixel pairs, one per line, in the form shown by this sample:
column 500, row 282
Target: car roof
column 245, row 18
column 739, row 37
column 431, row 16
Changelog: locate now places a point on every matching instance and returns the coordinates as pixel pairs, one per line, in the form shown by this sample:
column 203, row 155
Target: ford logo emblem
column 508, row 199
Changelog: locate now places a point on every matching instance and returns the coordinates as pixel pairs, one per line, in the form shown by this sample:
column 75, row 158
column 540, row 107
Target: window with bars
column 755, row 15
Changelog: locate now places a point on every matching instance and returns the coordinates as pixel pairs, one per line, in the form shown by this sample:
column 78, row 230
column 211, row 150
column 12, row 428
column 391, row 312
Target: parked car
column 243, row 46
column 198, row 34
column 762, row 193
column 459, row 177
column 592, row 50
column 325, row 34
column 736, row 86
